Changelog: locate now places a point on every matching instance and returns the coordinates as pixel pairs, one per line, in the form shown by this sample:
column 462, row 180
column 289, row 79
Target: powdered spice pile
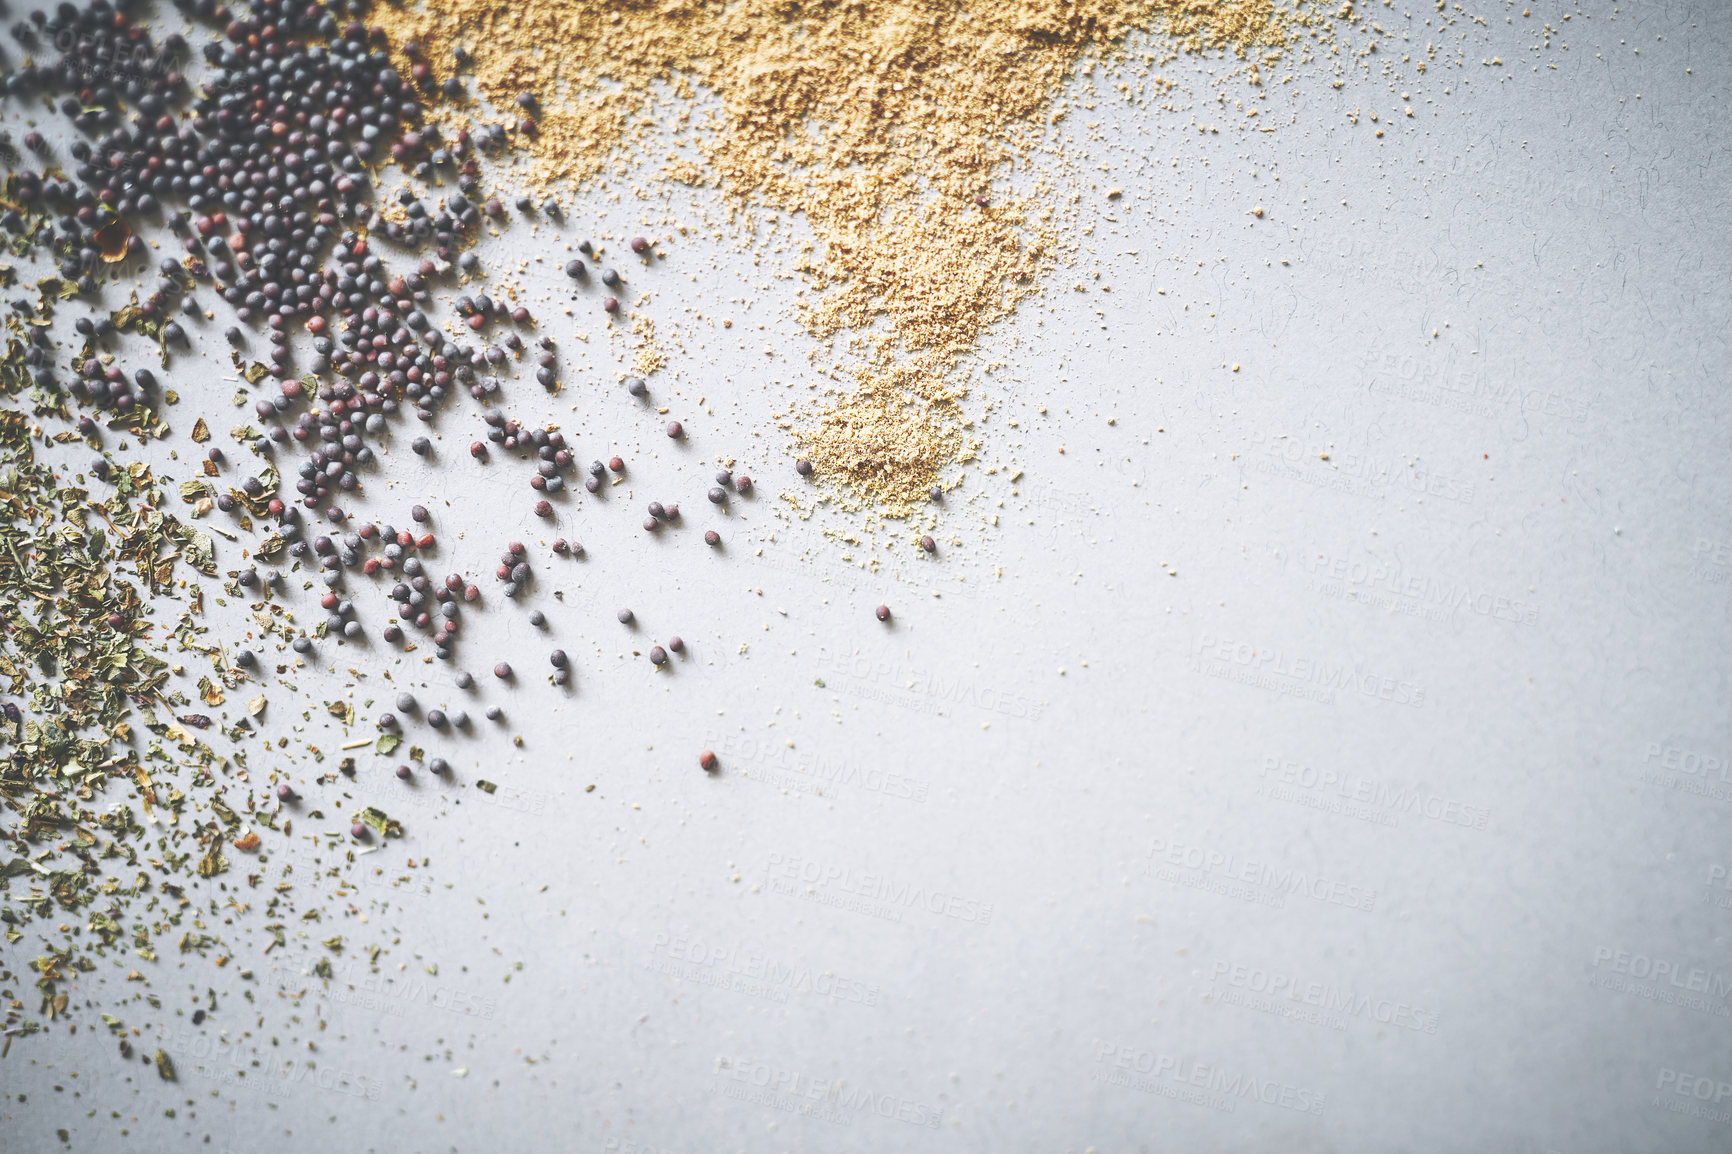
column 882, row 121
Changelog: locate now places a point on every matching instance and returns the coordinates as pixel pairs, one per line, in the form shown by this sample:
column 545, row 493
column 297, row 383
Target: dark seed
column 936, row 494
column 743, row 484
column 883, row 612
column 718, row 495
column 464, row 680
column 625, row 616
column 403, row 772
column 284, row 793
column 803, row 467
column 537, row 618
column 439, row 766
column 639, row 245
column 928, row 544
column 675, row 644
column 494, row 713
column 712, row 538
column 658, row 655
column 557, row 658
column 675, row 430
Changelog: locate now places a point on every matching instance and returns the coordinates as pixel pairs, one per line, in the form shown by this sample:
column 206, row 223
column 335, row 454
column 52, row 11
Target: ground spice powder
column 883, row 122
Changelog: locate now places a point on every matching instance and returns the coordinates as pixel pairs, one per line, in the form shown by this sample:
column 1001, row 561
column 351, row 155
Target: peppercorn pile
column 273, row 163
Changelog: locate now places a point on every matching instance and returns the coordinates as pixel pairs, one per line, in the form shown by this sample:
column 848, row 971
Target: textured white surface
column 1326, row 753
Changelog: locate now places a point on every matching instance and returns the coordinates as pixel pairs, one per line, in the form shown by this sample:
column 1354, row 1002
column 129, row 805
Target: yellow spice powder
column 883, row 122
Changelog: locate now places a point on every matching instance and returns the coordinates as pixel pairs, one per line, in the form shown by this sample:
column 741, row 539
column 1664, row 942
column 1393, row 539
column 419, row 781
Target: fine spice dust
column 882, row 122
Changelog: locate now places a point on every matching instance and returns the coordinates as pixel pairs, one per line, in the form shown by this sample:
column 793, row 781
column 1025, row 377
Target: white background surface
column 1391, row 801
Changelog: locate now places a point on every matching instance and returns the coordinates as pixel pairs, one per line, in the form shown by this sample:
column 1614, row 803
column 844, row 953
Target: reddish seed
column 675, row 644
column 544, row 508
column 675, row 429
column 403, row 772
column 616, row 465
column 650, row 524
column 478, row 448
column 883, row 612
column 742, row 484
column 928, row 544
column 424, row 541
column 560, row 546
column 515, row 548
column 712, row 538
column 708, row 761
column 357, row 831
column 471, row 593
column 370, row 566
column 610, row 305
column 328, row 601
column 639, row 245
column 502, row 671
